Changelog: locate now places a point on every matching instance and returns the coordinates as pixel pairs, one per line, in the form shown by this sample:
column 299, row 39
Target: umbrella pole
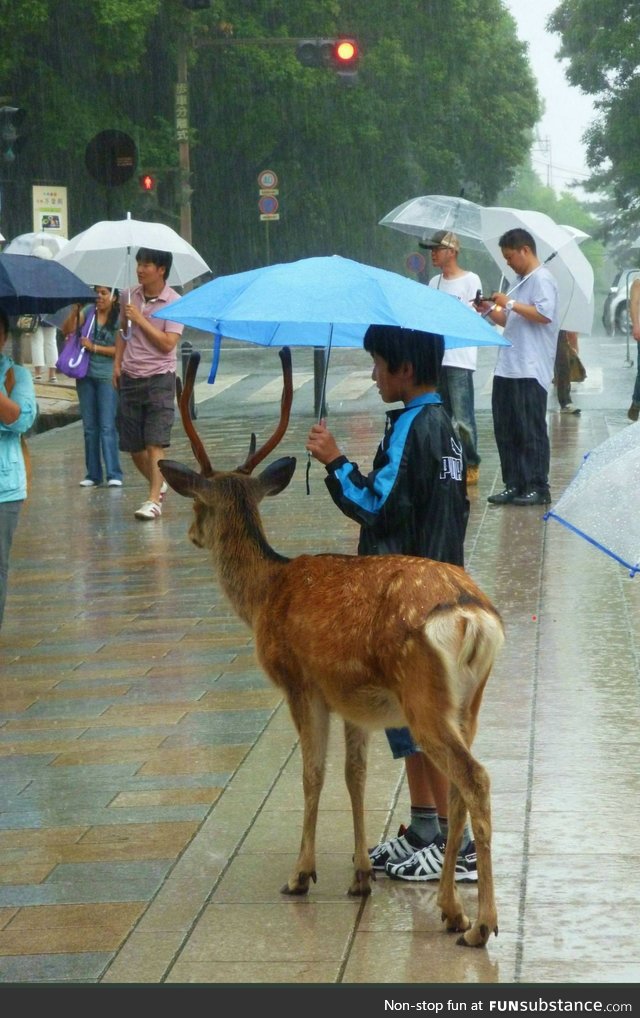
column 320, row 401
column 322, row 409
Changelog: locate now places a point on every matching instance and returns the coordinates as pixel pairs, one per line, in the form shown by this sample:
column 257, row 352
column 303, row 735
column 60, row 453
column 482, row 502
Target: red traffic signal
column 147, row 182
column 345, row 54
column 339, row 55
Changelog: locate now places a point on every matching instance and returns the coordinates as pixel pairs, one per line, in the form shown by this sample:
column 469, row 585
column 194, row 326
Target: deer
column 381, row 641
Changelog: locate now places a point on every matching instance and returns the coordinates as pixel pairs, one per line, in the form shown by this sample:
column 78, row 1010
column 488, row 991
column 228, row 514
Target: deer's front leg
column 311, row 718
column 355, row 770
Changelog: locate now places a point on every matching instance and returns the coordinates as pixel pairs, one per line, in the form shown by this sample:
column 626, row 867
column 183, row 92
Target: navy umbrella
column 31, row 286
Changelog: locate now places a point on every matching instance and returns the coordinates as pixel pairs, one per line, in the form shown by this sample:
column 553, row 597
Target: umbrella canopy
column 578, row 235
column 432, row 213
column 600, row 503
column 105, row 253
column 26, row 243
column 325, row 301
column 482, row 226
column 555, row 247
column 31, row 285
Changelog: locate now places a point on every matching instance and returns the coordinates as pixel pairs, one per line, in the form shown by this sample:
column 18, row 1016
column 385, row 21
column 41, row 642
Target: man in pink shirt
column 145, row 374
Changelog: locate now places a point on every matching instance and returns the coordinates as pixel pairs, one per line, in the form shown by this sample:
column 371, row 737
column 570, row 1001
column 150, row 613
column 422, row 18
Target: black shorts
column 146, row 411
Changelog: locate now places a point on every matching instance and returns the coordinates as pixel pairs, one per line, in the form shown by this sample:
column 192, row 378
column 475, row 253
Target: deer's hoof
column 477, row 936
column 458, row 923
column 361, row 886
column 300, row 884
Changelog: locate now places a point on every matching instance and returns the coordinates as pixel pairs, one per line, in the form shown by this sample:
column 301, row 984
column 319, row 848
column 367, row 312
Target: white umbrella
column 26, row 243
column 578, row 235
column 105, row 253
column 481, row 226
column 555, row 247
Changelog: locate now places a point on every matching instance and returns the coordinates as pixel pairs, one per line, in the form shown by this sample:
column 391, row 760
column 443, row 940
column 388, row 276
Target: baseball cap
column 442, row 238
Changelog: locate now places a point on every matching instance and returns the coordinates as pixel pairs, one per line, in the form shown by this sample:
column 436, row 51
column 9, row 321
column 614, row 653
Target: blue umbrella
column 31, row 285
column 325, row 302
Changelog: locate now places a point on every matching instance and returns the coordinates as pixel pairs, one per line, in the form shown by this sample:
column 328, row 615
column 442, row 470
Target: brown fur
column 382, row 641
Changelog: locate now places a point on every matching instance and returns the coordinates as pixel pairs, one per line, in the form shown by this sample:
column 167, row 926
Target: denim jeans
column 9, row 512
column 455, row 387
column 98, row 404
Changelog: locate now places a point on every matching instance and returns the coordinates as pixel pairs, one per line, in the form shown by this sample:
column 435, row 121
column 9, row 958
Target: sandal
column 37, row 378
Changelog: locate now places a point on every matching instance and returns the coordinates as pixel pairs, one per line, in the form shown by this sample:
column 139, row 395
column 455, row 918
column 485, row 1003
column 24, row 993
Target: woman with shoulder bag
column 97, row 396
column 18, row 411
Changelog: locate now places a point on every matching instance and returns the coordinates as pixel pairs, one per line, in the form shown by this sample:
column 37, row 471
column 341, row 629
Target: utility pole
column 182, row 133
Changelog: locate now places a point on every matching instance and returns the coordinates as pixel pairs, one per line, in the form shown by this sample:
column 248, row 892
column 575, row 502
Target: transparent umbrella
column 600, row 504
column 482, row 226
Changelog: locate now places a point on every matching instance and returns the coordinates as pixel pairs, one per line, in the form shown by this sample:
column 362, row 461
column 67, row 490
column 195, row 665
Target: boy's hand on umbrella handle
column 321, row 443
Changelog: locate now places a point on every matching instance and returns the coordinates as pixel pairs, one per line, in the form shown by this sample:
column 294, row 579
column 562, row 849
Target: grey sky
column 559, row 158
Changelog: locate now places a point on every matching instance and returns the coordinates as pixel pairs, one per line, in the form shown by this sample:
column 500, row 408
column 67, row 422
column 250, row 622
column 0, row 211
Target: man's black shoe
column 533, row 498
column 502, row 497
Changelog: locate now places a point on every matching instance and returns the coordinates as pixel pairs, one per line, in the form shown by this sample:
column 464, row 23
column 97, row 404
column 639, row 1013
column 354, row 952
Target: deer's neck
column 246, row 561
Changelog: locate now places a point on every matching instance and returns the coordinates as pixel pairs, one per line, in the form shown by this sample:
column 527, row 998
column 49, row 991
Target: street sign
column 266, row 216
column 268, row 179
column 268, row 203
column 111, row 158
column 416, row 262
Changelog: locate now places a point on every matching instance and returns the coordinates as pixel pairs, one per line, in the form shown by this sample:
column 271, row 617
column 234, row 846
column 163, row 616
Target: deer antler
column 254, row 457
column 184, row 398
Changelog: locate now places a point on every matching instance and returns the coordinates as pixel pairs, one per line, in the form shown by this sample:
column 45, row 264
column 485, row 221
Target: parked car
column 615, row 314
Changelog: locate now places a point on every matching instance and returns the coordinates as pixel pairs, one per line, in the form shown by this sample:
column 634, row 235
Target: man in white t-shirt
column 456, row 375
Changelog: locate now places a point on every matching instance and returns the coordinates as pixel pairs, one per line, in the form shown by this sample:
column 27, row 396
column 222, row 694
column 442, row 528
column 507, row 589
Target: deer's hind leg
column 311, row 718
column 437, row 730
column 355, row 771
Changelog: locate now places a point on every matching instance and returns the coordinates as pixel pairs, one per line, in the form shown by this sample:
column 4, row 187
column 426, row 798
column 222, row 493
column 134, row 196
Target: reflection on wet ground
column 150, row 795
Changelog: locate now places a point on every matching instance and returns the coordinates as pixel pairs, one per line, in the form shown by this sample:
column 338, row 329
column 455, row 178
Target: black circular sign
column 111, row 158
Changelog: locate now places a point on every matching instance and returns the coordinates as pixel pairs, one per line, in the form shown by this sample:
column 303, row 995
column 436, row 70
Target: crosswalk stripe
column 203, row 390
column 353, row 386
column 272, row 391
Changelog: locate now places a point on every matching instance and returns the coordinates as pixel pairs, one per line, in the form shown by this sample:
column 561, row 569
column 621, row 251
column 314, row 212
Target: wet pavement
column 150, row 791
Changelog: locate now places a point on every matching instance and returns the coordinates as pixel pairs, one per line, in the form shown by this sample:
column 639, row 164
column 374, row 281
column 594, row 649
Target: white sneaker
column 148, row 511
column 88, row 483
column 114, row 483
column 569, row 408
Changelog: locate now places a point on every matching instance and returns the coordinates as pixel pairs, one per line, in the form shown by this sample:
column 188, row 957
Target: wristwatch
column 509, row 305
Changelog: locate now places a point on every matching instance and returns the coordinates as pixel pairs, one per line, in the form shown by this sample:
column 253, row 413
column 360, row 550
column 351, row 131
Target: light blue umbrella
column 325, row 302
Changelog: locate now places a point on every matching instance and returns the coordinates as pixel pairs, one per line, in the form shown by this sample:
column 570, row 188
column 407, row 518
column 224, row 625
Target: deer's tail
column 468, row 638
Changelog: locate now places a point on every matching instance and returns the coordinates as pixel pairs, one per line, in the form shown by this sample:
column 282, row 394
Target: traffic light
column 11, row 118
column 147, row 183
column 340, row 55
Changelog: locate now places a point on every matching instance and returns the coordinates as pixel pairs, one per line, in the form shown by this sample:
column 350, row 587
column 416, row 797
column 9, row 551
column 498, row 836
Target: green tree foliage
column 444, row 101
column 601, row 42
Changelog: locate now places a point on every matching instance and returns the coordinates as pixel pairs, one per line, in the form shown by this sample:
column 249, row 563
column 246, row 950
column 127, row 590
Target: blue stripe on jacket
column 373, row 501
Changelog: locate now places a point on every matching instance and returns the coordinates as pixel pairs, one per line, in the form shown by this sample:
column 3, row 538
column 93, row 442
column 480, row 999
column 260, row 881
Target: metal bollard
column 319, row 368
column 186, row 349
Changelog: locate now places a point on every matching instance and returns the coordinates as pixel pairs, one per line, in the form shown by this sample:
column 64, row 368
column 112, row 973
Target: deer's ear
column 181, row 478
column 274, row 478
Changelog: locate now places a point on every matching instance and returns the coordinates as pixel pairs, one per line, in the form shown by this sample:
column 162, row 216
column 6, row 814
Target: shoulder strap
column 10, row 381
